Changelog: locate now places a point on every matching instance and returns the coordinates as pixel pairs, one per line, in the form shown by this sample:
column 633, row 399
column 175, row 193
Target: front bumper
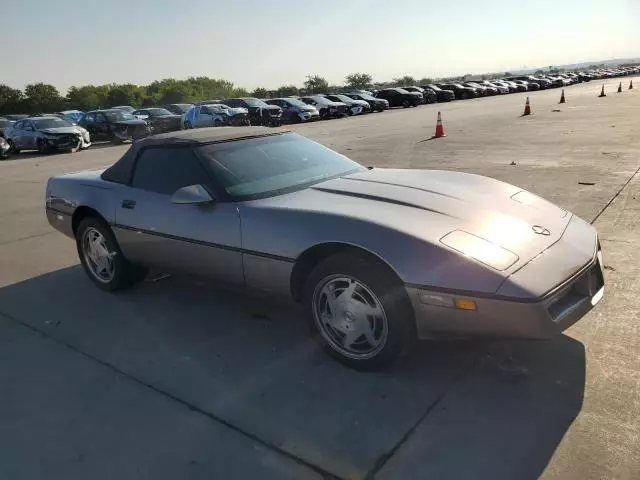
column 65, row 142
column 511, row 318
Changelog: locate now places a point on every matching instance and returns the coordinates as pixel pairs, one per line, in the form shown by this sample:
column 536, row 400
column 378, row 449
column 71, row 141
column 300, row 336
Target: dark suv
column 399, row 97
column 461, row 92
column 442, row 95
column 260, row 113
column 428, row 95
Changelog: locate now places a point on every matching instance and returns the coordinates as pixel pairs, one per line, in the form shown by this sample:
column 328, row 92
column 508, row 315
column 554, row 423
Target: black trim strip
column 208, row 244
column 381, row 182
column 55, row 210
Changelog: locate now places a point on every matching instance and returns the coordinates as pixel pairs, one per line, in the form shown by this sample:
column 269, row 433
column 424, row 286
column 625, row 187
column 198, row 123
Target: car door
column 204, row 117
column 16, row 133
column 101, row 125
column 28, row 135
column 195, row 239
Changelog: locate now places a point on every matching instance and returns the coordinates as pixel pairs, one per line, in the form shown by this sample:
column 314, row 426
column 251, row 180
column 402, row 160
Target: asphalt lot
column 176, row 379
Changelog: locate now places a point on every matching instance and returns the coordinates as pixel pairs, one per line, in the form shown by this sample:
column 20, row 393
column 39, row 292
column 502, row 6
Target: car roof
column 47, row 117
column 121, row 171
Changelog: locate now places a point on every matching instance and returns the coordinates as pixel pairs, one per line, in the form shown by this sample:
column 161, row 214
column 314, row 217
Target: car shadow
column 27, row 154
column 252, row 364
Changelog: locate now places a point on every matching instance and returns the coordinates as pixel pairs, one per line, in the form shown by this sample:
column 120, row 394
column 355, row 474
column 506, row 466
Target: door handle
column 130, row 204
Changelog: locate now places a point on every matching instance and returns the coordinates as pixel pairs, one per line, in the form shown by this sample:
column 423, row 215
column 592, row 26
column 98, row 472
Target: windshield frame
column 207, row 160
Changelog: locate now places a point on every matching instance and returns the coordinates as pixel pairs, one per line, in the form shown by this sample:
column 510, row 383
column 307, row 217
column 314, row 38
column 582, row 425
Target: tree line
column 45, row 98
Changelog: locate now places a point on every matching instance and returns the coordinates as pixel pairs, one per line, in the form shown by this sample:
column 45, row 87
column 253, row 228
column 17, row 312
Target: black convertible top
column 121, row 171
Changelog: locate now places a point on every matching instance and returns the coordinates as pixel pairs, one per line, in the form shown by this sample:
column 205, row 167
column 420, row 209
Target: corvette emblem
column 540, row 230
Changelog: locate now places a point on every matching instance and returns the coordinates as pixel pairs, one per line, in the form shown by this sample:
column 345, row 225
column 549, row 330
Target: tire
column 406, row 103
column 323, row 113
column 14, row 149
column 43, row 147
column 187, row 125
column 122, row 273
column 393, row 327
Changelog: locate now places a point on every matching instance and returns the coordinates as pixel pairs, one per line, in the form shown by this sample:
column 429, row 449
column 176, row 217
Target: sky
column 267, row 44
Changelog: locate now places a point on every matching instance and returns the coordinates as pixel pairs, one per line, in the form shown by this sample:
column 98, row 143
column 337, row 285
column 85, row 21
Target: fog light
column 465, row 304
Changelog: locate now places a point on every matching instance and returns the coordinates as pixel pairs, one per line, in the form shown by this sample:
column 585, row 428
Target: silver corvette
column 378, row 257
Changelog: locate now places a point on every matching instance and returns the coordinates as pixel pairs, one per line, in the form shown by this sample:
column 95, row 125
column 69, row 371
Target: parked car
column 215, row 115
column 441, row 95
column 159, row 119
column 542, row 82
column 530, row 85
column 461, row 92
column 518, row 86
column 295, row 110
column 326, row 108
column 47, row 134
column 73, row 116
column 483, row 90
column 124, row 108
column 115, row 125
column 5, row 148
column 555, row 81
column 4, row 124
column 349, row 91
column 428, row 95
column 376, row 104
column 177, row 108
column 501, row 87
column 359, row 248
column 399, row 97
column 260, row 113
column 354, row 107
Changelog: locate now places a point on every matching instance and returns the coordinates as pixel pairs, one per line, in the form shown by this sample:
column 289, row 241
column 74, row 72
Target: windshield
column 364, row 96
column 402, row 90
column 343, row 98
column 119, row 115
column 156, row 112
column 295, row 102
column 273, row 165
column 255, row 102
column 51, row 123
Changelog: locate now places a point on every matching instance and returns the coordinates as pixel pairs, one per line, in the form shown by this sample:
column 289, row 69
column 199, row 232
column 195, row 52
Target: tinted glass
column 165, row 170
column 118, row 115
column 273, row 164
column 90, row 117
column 254, row 102
column 294, row 101
column 156, row 112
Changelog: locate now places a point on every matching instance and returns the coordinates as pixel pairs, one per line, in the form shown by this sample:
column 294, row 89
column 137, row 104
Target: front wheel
column 406, row 103
column 13, row 148
column 102, row 259
column 360, row 311
column 43, row 147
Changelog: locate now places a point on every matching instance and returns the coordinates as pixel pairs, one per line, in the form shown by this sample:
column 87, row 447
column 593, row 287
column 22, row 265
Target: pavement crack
column 384, row 458
column 35, row 235
column 617, row 194
column 194, row 408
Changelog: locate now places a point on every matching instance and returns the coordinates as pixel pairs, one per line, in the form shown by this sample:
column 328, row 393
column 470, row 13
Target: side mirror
column 192, row 195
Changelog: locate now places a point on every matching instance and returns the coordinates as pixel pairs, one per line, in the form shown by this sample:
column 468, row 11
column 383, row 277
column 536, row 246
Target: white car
column 214, row 115
column 46, row 134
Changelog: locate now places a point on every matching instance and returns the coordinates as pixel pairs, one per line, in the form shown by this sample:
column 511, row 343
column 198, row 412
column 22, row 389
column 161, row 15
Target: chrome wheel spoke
column 350, row 338
column 97, row 255
column 369, row 335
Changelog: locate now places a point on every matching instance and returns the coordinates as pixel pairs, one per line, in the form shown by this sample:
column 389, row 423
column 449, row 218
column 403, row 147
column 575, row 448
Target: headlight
column 480, row 249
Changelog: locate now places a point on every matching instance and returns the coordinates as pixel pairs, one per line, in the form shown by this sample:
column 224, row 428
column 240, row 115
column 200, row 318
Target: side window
column 100, row 118
column 90, row 117
column 165, row 170
column 19, row 125
column 205, row 111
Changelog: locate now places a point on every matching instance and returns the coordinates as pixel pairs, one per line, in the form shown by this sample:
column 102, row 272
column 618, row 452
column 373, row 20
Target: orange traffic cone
column 439, row 128
column 602, row 94
column 631, row 85
column 527, row 108
column 562, row 100
column 620, row 88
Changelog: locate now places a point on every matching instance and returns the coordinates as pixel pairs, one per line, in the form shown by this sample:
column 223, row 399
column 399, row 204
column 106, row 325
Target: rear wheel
column 102, row 259
column 360, row 311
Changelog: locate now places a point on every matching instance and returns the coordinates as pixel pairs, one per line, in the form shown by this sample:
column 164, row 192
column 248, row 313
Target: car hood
column 61, row 130
column 428, row 205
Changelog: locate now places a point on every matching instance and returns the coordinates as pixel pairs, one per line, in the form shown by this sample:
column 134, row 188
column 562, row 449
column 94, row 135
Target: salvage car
column 399, row 97
column 177, row 108
column 428, row 95
column 295, row 110
column 461, row 92
column 354, row 107
column 260, row 113
column 160, row 120
column 441, row 95
column 376, row 104
column 376, row 256
column 115, row 125
column 47, row 134
column 326, row 108
column 209, row 114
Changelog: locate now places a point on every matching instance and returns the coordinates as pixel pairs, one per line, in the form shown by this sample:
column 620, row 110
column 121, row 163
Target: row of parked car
column 74, row 130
